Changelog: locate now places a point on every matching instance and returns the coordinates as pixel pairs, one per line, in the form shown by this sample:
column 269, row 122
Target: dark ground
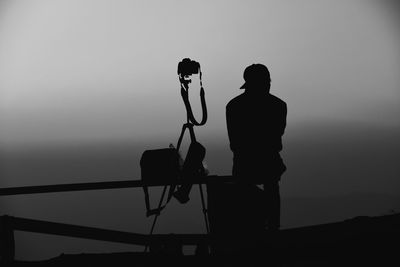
column 361, row 241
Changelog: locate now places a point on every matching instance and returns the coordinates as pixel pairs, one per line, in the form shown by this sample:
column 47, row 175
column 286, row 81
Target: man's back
column 256, row 122
column 256, row 118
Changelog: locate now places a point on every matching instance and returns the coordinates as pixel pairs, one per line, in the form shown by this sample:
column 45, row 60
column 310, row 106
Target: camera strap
column 185, row 97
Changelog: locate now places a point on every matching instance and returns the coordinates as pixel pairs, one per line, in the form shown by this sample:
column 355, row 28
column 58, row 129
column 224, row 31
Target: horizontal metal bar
column 104, row 185
column 62, row 229
column 345, row 230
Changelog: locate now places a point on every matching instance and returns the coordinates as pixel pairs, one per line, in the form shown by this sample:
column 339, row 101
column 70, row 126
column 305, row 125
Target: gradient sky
column 96, row 70
column 87, row 85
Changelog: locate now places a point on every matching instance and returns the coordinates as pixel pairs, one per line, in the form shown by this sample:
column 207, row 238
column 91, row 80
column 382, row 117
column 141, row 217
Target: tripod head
column 186, row 68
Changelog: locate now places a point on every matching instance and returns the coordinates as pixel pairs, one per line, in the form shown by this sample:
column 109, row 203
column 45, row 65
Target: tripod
column 182, row 193
column 193, row 164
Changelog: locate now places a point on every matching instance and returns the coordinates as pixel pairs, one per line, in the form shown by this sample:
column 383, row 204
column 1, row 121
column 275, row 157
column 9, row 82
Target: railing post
column 7, row 245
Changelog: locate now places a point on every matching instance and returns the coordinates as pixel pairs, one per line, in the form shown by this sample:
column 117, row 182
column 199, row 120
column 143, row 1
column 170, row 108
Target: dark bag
column 192, row 168
column 159, row 166
column 193, row 165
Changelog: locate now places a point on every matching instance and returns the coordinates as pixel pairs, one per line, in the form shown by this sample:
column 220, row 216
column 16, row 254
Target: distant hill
column 303, row 211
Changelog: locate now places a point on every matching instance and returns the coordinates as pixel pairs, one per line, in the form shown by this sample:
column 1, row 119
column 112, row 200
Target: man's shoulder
column 247, row 99
column 277, row 100
column 237, row 100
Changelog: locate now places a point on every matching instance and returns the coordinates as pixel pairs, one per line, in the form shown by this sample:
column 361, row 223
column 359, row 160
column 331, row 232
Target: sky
column 86, row 86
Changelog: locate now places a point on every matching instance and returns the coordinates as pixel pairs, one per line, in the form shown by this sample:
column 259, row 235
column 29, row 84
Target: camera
column 188, row 67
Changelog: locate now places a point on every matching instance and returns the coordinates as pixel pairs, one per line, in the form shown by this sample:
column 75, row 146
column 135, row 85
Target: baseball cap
column 255, row 75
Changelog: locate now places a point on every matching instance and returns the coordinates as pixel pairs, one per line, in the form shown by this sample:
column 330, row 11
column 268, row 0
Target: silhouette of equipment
column 167, row 165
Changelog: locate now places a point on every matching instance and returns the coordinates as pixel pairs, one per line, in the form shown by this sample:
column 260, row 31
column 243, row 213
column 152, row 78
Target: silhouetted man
column 256, row 121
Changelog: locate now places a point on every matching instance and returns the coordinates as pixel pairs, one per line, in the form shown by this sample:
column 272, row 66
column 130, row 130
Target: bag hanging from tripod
column 165, row 166
column 159, row 166
column 192, row 167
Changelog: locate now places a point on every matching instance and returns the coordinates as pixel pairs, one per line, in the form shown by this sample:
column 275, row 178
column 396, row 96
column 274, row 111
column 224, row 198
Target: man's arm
column 283, row 119
column 230, row 126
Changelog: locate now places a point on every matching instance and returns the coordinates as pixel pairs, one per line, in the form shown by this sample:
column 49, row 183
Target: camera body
column 188, row 67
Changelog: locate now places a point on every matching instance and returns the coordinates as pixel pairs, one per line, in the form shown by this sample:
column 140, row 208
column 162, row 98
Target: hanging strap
column 191, row 132
column 185, row 97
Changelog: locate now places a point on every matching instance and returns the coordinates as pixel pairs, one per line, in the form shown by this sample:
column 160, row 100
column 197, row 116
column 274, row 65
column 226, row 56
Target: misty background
column 86, row 86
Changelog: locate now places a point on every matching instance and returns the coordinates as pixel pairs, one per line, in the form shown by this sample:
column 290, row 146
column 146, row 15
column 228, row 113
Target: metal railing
column 9, row 224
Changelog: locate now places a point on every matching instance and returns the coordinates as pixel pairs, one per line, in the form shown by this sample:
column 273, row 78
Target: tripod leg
column 204, row 208
column 156, row 216
column 206, row 247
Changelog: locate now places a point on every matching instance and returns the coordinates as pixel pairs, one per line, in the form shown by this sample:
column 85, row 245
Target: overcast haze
column 87, row 86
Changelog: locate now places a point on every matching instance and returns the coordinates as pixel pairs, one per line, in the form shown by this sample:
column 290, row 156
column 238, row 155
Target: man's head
column 256, row 77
